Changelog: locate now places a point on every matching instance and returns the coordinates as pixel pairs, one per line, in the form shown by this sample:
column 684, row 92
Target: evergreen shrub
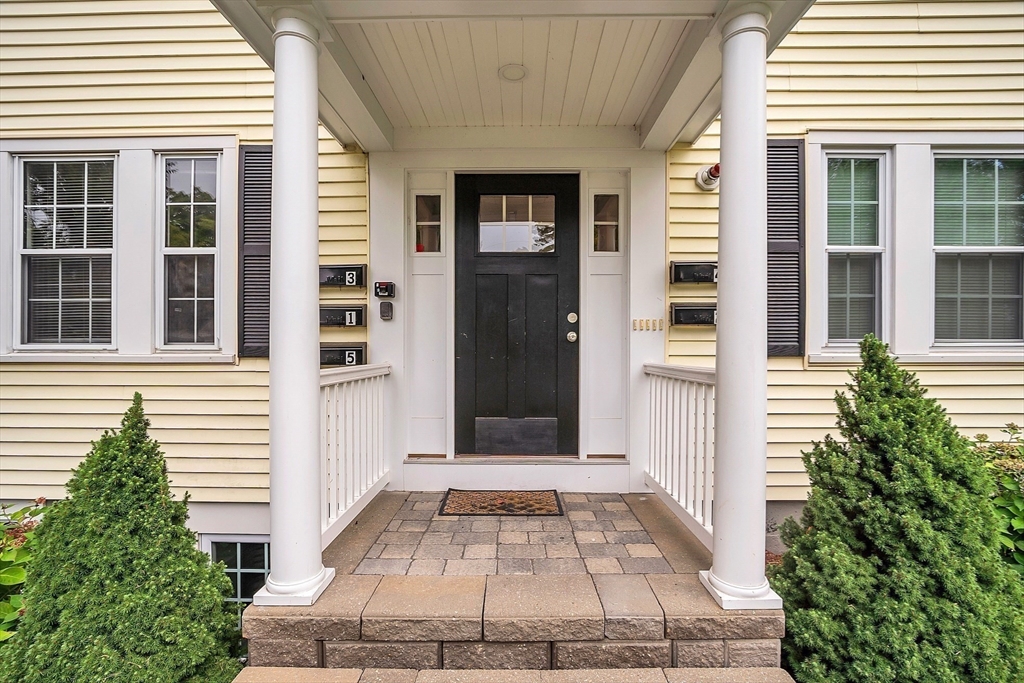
column 893, row 574
column 1006, row 459
column 117, row 591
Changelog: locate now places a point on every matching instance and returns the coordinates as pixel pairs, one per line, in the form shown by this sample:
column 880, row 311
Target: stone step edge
column 691, row 675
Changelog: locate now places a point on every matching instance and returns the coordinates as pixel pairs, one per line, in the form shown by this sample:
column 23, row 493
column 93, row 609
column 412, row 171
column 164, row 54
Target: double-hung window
column 67, row 249
column 917, row 237
column 854, row 247
column 189, row 250
column 113, row 249
column 979, row 249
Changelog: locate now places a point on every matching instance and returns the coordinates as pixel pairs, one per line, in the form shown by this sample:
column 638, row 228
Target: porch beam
column 362, row 11
column 347, row 107
column 690, row 97
column 297, row 575
column 737, row 579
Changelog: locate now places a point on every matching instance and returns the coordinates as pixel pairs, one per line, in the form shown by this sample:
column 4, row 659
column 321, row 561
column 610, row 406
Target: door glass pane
column 521, row 224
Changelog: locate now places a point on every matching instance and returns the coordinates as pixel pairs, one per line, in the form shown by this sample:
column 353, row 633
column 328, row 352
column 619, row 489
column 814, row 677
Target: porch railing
column 352, row 423
column 681, row 466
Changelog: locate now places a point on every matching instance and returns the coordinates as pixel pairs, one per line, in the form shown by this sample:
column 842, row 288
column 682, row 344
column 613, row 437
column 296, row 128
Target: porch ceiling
column 404, row 74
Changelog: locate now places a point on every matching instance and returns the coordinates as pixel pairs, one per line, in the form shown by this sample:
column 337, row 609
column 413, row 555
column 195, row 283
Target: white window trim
column 206, row 541
column 17, row 207
column 134, row 328
column 912, row 260
column 160, row 304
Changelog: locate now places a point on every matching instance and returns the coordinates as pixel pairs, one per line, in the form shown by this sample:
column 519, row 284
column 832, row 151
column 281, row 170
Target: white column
column 737, row 579
column 297, row 575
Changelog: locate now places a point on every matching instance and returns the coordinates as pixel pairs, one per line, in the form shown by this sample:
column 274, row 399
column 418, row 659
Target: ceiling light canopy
column 512, row 72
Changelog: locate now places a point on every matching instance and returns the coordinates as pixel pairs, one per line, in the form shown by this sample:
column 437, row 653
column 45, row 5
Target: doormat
column 540, row 503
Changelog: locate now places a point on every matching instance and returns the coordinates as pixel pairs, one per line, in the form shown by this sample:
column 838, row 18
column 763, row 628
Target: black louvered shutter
column 254, row 251
column 785, row 248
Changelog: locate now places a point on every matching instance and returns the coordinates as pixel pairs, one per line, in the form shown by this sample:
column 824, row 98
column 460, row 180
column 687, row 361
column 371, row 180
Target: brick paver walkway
column 598, row 534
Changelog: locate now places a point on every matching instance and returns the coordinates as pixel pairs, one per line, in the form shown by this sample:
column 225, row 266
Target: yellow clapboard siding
column 150, row 68
column 864, row 65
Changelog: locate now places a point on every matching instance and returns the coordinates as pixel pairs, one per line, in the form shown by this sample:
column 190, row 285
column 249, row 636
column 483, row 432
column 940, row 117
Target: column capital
column 296, row 21
column 752, row 16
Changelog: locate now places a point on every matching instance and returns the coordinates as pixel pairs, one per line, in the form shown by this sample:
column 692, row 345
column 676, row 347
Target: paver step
column 302, row 675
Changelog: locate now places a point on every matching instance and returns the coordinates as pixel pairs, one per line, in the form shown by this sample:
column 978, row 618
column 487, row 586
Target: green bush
column 15, row 556
column 117, row 591
column 893, row 574
column 1006, row 459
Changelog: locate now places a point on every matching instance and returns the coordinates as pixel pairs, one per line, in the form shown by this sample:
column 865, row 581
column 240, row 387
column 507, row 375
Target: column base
column 303, row 597
column 769, row 600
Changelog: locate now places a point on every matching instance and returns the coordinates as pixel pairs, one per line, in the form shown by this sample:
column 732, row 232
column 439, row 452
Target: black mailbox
column 694, row 314
column 343, row 316
column 693, row 272
column 343, row 354
column 343, row 276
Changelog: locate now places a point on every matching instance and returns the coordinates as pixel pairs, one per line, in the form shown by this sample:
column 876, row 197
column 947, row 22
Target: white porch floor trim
column 331, row 531
column 702, row 533
column 591, row 476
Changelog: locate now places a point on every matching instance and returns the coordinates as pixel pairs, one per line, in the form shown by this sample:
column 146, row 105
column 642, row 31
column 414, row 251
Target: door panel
column 516, row 373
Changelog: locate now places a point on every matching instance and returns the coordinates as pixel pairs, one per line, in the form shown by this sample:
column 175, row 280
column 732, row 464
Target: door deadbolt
column 572, row 336
column 572, row 317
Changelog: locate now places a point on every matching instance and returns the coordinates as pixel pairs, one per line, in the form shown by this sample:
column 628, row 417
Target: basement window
column 246, row 562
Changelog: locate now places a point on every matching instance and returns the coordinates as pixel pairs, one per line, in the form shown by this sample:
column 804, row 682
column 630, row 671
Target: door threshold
column 475, row 459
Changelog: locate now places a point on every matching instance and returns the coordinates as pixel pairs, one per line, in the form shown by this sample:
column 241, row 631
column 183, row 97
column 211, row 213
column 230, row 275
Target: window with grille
column 854, row 248
column 190, row 250
column 66, row 251
column 247, row 565
column 979, row 249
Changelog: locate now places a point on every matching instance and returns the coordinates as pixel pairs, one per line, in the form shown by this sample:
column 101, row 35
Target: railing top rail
column 683, row 372
column 341, row 375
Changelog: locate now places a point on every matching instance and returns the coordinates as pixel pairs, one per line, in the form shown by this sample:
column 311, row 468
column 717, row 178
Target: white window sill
column 945, row 356
column 86, row 357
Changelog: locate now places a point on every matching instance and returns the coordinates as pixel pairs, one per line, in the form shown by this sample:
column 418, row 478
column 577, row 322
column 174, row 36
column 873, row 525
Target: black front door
column 516, row 306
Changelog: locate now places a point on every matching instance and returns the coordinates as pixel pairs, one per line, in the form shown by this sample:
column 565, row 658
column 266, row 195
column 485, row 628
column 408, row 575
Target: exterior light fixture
column 512, row 72
column 707, row 177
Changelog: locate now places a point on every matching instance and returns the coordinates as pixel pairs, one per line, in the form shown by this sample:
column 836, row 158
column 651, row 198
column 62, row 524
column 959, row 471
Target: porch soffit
column 407, row 74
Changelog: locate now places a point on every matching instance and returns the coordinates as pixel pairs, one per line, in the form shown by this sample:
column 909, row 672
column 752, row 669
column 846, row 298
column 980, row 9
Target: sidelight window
column 606, row 222
column 428, row 223
column 517, row 223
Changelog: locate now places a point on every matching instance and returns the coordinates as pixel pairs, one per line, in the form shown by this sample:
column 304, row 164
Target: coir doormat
column 541, row 503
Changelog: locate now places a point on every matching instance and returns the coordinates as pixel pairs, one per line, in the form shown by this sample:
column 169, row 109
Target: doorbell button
column 572, row 317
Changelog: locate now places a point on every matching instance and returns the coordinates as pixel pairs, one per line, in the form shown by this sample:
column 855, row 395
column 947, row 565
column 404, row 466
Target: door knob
column 572, row 336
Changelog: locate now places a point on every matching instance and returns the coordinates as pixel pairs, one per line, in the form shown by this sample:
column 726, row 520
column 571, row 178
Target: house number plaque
column 343, row 276
column 343, row 354
column 343, row 316
column 694, row 314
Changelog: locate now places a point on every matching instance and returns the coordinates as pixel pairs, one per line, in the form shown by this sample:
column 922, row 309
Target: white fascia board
column 361, row 11
column 690, row 97
column 347, row 108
